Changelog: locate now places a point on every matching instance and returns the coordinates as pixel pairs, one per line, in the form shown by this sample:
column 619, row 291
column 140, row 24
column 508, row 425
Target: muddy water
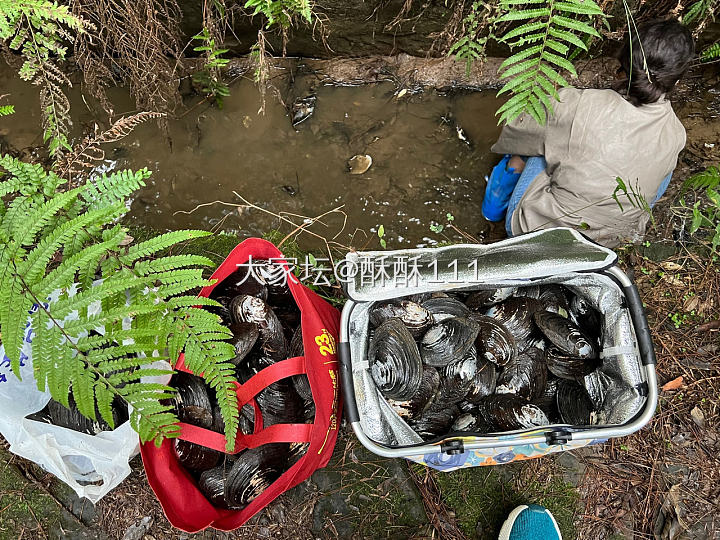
column 421, row 169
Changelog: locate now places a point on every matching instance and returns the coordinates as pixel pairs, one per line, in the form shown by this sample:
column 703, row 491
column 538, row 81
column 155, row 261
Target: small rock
column 138, row 530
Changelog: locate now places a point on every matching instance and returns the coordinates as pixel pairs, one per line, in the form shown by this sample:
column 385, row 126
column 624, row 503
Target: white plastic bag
column 91, row 465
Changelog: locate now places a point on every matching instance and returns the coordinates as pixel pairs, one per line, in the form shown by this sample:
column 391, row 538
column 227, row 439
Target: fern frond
column 710, row 53
column 159, row 243
column 709, row 178
column 533, row 73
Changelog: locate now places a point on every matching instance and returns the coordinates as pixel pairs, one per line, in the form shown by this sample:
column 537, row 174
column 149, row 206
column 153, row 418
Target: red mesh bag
column 183, row 503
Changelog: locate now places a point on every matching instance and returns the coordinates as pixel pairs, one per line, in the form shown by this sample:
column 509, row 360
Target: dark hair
column 667, row 47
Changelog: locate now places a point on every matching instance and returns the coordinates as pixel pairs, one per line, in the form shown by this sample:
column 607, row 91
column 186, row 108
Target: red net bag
column 182, row 501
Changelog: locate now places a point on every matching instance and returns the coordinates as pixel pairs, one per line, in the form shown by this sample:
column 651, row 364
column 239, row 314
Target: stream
column 422, row 169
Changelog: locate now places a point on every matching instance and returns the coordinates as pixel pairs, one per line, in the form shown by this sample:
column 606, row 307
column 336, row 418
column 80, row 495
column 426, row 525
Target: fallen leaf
column 673, row 385
column 670, row 266
column 698, row 416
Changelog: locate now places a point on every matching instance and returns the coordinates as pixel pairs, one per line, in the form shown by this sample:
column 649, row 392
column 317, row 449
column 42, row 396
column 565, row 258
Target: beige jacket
column 594, row 137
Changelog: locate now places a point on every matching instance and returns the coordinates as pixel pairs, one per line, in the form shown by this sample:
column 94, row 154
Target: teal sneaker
column 530, row 522
column 499, row 188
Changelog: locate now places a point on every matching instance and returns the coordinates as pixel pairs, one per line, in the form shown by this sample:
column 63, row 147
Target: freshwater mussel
column 565, row 335
column 251, row 309
column 516, row 315
column 448, row 340
column 495, row 342
column 395, row 363
column 525, row 375
column 415, row 317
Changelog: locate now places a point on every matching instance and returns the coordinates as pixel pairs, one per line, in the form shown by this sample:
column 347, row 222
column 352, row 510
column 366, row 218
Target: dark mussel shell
column 531, row 291
column 71, row 418
column 280, row 404
column 516, row 314
column 448, row 340
column 574, row 404
column 494, row 342
column 568, row 367
column 250, row 309
column 253, row 471
column 565, row 335
column 535, row 340
column 488, row 297
column 296, row 343
column 212, row 485
column 548, row 400
column 554, row 298
column 244, row 337
column 395, row 363
column 192, row 400
column 423, row 398
column 435, row 421
column 484, row 382
column 463, row 371
column 445, row 308
column 415, row 317
column 524, row 376
column 195, row 457
column 246, row 420
column 508, row 412
column 585, row 315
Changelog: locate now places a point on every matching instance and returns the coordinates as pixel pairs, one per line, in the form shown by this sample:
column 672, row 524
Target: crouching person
column 564, row 172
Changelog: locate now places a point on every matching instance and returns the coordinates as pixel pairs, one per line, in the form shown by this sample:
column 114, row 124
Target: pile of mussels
column 486, row 361
column 69, row 417
column 265, row 323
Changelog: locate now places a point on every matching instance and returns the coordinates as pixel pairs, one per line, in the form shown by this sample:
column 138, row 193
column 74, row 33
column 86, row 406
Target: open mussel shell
column 249, row 309
column 395, row 363
column 192, row 400
column 415, row 317
column 494, row 342
column 195, row 457
column 574, row 404
column 565, row 335
column 488, row 297
column 568, row 367
column 244, row 337
column 435, row 422
column 253, row 471
column 524, row 376
column 445, row 308
column 508, row 412
column 422, row 399
column 448, row 340
column 212, row 485
column 516, row 314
